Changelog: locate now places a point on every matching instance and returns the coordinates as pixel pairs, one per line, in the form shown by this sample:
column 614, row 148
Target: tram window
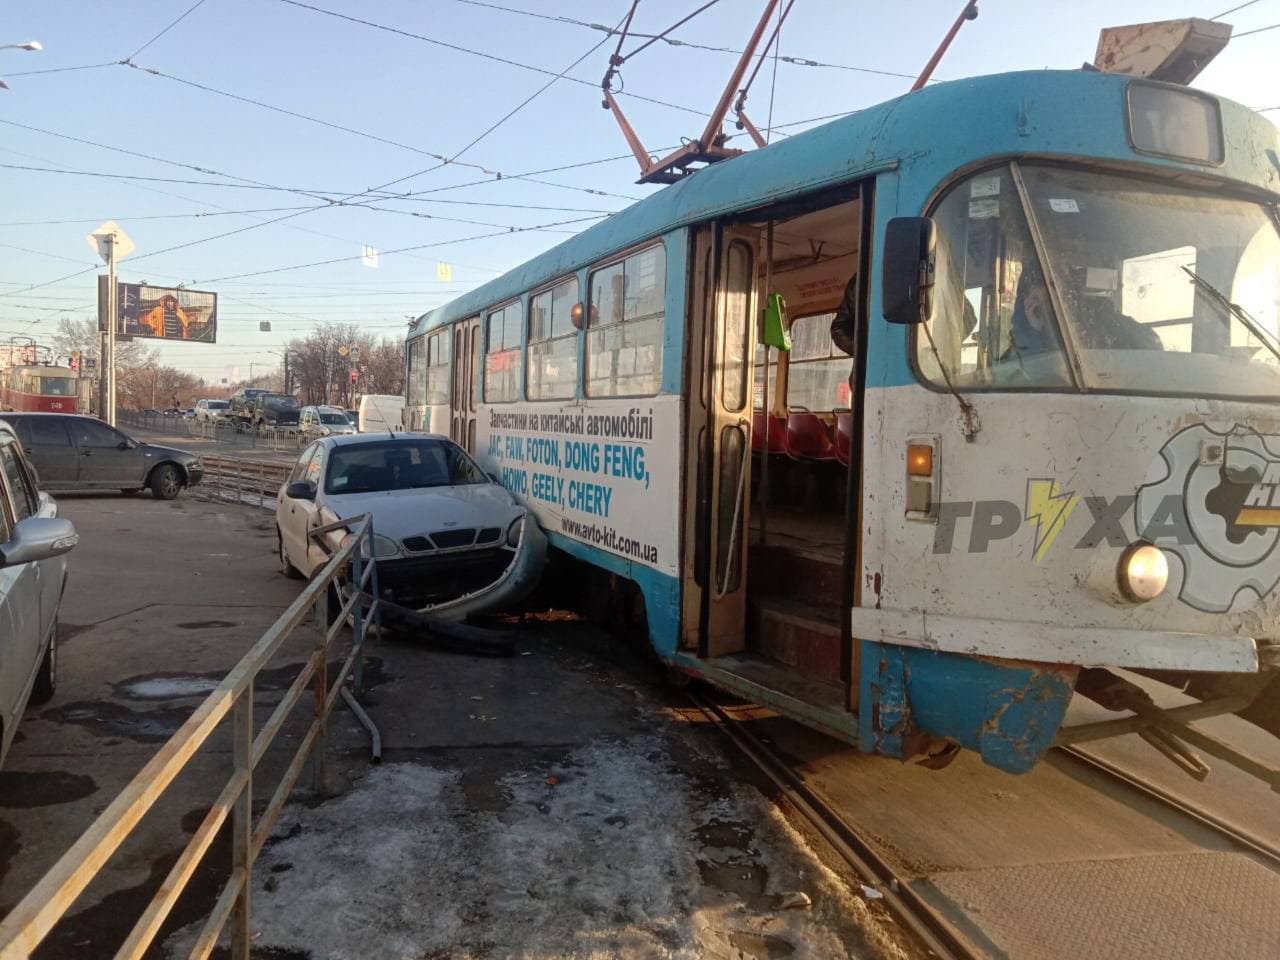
column 553, row 343
column 993, row 322
column 437, row 371
column 416, row 372
column 502, row 354
column 817, row 371
column 55, row 386
column 757, row 389
column 624, row 332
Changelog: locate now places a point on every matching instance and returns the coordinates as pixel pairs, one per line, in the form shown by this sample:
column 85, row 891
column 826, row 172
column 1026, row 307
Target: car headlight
column 514, row 531
column 383, row 547
column 1143, row 572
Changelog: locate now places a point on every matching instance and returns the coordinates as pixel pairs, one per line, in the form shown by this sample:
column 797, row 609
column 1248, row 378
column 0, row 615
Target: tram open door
column 717, row 497
column 768, row 615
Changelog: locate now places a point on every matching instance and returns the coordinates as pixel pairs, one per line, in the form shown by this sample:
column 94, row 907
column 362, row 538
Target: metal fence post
column 242, row 821
column 322, row 689
column 357, row 611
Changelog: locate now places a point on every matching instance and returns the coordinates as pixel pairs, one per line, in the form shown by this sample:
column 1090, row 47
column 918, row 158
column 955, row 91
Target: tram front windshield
column 1161, row 289
column 56, row 386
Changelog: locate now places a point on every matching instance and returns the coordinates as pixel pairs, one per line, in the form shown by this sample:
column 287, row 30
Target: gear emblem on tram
column 1225, row 483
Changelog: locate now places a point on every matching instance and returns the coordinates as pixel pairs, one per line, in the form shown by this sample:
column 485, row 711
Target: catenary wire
column 190, row 10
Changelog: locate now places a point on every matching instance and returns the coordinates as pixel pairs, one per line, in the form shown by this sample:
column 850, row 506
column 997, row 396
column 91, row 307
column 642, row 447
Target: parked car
column 241, row 402
column 448, row 539
column 380, row 412
column 212, row 409
column 74, row 452
column 33, row 573
column 274, row 410
column 321, row 421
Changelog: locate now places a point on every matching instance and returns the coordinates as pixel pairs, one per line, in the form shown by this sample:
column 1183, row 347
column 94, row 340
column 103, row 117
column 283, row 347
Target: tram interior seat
column 808, row 437
column 844, row 435
column 777, row 434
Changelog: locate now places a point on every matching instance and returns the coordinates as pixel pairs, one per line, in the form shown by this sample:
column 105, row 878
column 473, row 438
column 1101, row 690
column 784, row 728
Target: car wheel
column 287, row 568
column 165, row 482
column 47, row 677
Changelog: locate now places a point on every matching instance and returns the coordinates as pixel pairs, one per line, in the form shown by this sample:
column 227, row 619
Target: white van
column 379, row 412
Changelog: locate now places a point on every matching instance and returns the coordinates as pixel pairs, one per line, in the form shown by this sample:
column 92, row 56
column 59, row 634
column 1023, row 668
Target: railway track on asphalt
column 933, row 931
column 1141, row 786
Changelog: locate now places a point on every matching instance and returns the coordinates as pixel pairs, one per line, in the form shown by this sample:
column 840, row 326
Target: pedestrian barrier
column 242, row 481
column 33, row 918
column 219, row 429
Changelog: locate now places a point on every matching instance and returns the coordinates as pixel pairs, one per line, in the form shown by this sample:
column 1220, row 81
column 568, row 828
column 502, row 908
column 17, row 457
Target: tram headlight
column 1144, row 572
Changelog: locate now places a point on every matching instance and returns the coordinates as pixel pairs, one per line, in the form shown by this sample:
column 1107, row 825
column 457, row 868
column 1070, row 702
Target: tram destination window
column 553, row 343
column 502, row 354
column 624, row 332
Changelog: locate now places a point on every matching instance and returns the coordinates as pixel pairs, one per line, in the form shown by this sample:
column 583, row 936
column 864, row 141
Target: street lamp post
column 33, row 45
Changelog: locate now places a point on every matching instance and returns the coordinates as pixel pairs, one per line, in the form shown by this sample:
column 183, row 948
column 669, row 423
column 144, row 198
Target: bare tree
column 319, row 372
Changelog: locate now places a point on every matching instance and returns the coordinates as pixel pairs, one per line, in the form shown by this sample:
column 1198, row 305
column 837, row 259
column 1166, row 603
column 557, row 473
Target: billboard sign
column 161, row 313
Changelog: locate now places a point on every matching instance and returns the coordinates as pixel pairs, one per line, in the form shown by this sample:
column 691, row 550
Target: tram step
column 802, row 636
column 795, row 574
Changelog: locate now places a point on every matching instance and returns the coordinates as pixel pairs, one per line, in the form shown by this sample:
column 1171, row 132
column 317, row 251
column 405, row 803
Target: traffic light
column 75, row 361
column 354, row 376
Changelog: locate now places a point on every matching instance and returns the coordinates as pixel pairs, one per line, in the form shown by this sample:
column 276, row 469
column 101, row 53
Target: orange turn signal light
column 919, row 460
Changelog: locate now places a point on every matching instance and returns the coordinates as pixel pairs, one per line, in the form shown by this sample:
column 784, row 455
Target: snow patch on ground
column 169, row 688
column 614, row 852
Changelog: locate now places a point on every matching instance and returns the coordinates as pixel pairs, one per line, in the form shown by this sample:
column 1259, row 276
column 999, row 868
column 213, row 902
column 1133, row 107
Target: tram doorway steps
column 756, row 678
column 793, row 606
column 796, row 634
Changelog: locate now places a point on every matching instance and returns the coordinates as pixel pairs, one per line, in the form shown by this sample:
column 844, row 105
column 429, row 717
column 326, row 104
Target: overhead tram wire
column 361, row 133
column 423, row 246
column 1249, row 33
column 480, row 53
column 190, row 10
column 1234, row 9
column 507, row 116
column 674, row 42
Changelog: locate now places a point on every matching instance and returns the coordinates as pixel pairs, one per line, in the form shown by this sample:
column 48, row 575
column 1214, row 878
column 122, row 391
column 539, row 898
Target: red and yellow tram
column 38, row 387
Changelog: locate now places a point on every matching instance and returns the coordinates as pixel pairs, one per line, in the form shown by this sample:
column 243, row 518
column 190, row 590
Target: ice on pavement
column 611, row 860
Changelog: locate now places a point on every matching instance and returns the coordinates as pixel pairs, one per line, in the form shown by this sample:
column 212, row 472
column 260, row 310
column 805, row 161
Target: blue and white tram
column 1055, row 454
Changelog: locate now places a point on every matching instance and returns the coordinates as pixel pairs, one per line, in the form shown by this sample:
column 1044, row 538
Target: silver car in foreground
column 33, row 573
column 449, row 540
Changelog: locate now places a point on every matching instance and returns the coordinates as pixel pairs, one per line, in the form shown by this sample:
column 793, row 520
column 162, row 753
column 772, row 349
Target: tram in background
column 1055, row 457
column 39, row 387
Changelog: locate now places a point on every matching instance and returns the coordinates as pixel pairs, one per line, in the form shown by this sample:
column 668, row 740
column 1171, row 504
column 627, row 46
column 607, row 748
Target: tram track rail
column 1144, row 787
column 933, row 931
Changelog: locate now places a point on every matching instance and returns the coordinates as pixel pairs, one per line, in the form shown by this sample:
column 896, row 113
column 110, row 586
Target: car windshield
column 218, row 404
column 335, row 418
column 288, row 402
column 1163, row 289
column 399, row 464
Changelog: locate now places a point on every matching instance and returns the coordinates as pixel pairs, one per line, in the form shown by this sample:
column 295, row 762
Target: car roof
column 355, row 439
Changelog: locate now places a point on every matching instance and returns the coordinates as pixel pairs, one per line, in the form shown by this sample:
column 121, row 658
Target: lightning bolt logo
column 1049, row 507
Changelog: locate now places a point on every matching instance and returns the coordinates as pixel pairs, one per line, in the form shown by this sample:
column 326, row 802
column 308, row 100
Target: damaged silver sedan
column 449, row 540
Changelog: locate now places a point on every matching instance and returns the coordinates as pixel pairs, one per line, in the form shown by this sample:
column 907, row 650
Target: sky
column 340, row 108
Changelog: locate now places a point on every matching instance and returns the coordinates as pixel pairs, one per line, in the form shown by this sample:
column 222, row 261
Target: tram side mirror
column 910, row 260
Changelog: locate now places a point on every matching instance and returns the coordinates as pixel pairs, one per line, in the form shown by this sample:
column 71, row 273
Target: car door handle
column 86, row 453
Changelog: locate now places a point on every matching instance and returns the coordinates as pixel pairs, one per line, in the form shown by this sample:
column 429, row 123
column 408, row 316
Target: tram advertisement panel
column 161, row 313
column 603, row 474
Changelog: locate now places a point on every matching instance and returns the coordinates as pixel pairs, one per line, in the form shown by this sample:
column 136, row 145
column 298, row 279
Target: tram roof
column 929, row 133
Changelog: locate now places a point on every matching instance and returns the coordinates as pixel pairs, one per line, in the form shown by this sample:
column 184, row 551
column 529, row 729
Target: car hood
column 405, row 513
column 155, row 451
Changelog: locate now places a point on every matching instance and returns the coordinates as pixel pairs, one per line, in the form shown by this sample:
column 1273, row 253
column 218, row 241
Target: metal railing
column 50, row 899
column 241, row 481
column 219, row 429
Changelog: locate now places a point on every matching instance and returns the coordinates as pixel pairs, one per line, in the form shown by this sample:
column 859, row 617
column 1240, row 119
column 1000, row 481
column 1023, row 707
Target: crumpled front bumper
column 516, row 582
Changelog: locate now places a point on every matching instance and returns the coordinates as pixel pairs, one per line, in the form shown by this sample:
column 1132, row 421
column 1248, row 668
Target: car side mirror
column 38, row 538
column 910, row 264
column 123, row 445
column 301, row 490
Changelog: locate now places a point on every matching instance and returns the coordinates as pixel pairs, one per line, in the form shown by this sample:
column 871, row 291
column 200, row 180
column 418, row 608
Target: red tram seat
column 808, row 437
column 777, row 434
column 844, row 435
